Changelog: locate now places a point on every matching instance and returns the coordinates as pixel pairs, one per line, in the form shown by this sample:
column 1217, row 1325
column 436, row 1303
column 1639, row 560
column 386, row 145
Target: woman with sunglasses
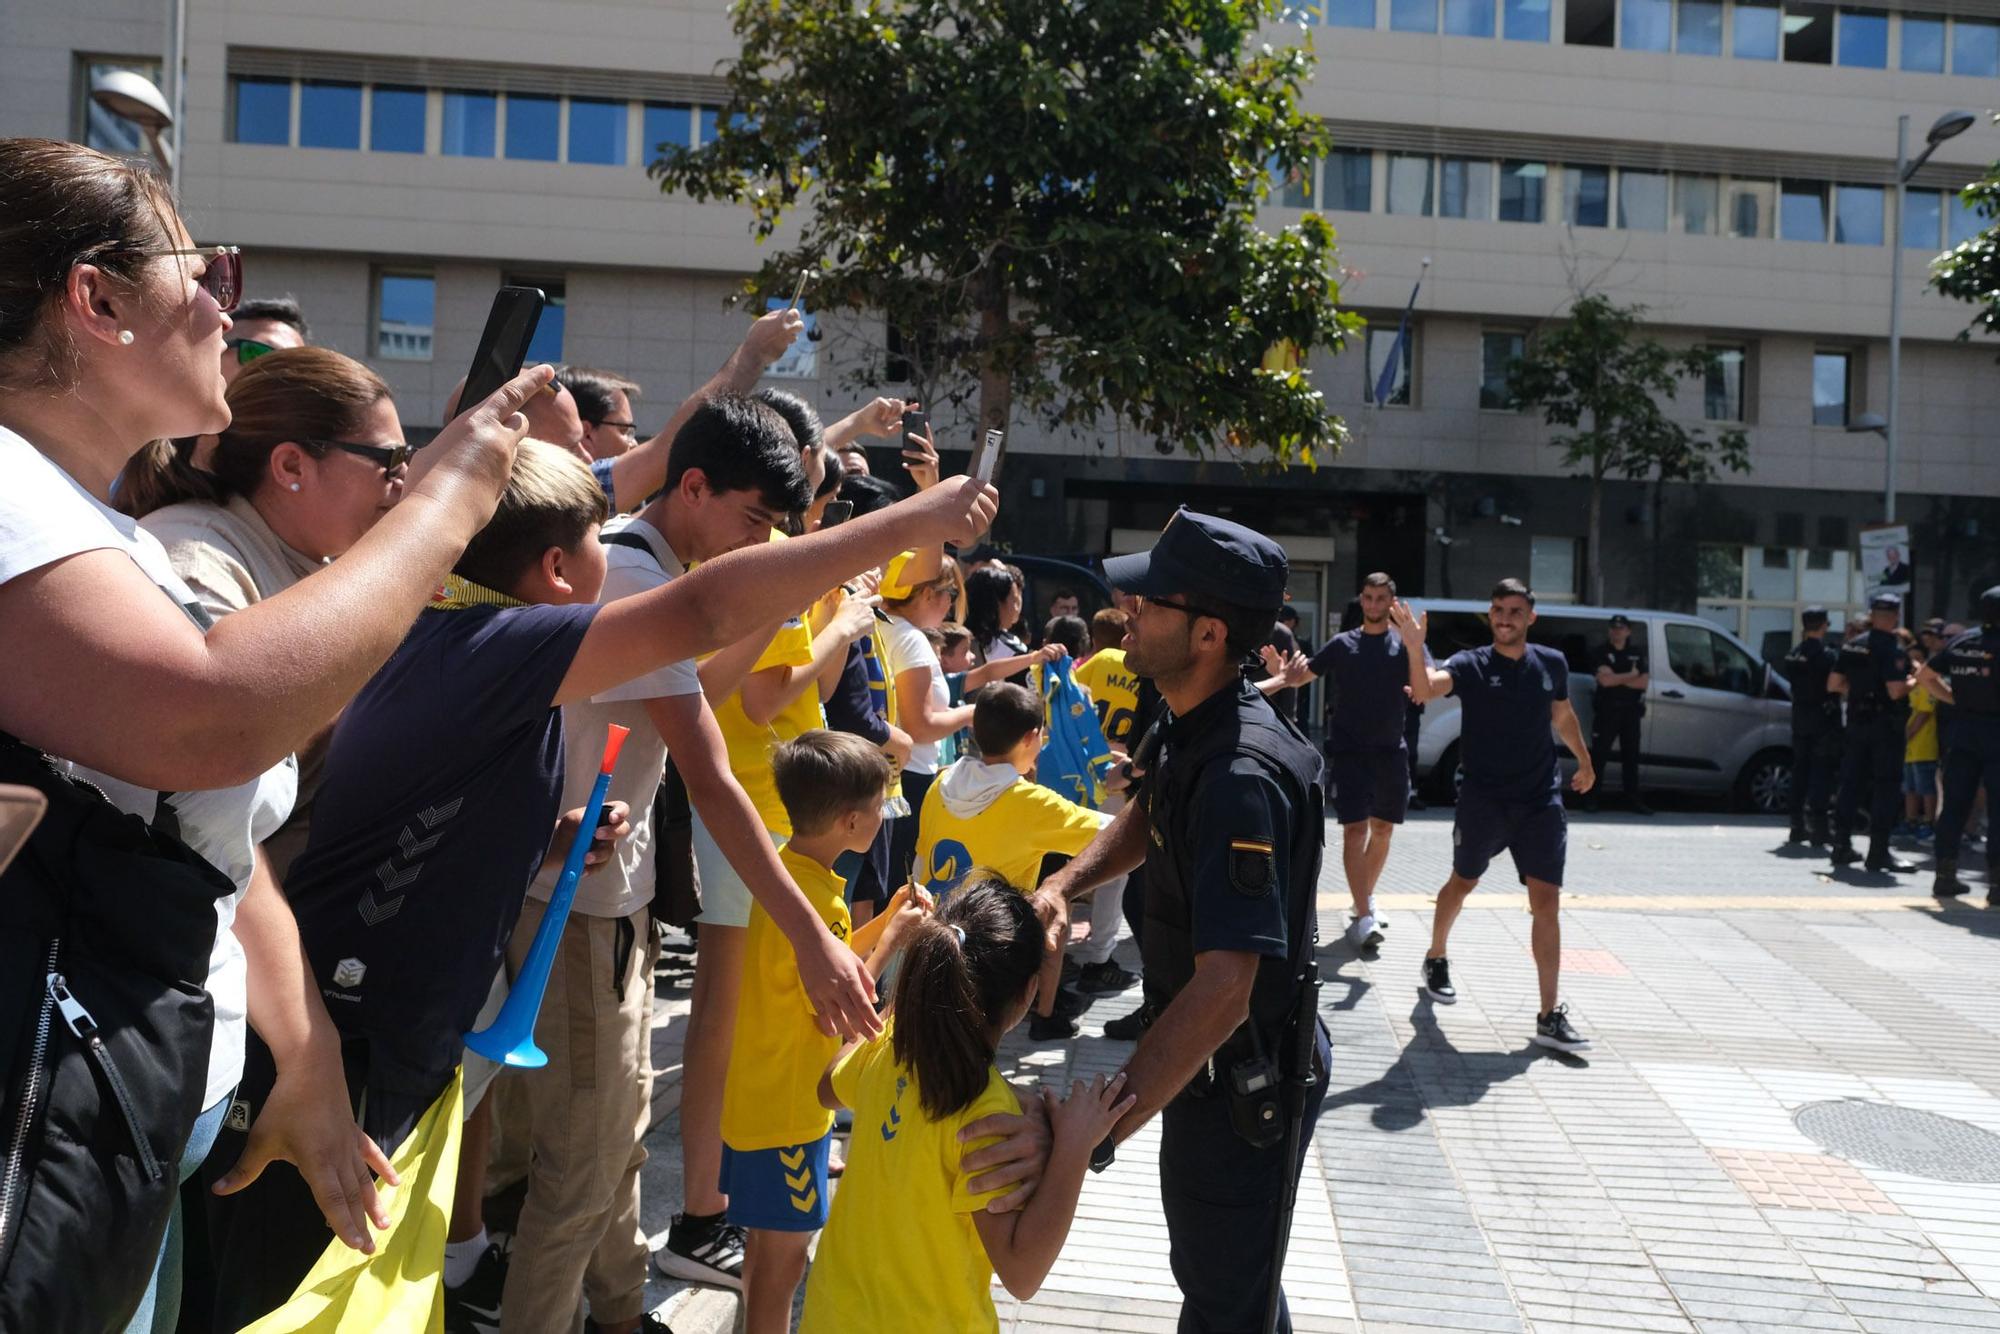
column 112, row 325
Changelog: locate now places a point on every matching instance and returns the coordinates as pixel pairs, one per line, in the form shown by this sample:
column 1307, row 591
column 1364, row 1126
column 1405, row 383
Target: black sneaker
column 1555, row 1030
column 1798, row 835
column 1639, row 806
column 1886, row 861
column 1052, row 1028
column 473, row 1307
column 1437, row 981
column 1070, row 1002
column 1843, row 853
column 703, row 1250
column 1101, row 979
column 1128, row 1027
column 1947, row 885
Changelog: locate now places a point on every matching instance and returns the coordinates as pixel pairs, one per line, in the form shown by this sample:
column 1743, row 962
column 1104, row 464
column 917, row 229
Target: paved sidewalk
column 1463, row 1179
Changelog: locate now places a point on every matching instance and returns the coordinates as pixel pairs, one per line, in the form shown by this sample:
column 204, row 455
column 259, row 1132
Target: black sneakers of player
column 706, row 1249
column 1101, row 979
column 1437, row 981
column 1555, row 1030
column 473, row 1307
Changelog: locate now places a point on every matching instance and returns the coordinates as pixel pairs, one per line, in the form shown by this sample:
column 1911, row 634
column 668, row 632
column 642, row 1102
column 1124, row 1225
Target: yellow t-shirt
column 1923, row 747
column 750, row 746
column 900, row 1250
column 1022, row 825
column 1115, row 692
column 771, row 1098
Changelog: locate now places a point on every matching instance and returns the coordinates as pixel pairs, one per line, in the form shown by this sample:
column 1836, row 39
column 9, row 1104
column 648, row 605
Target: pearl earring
column 295, row 486
column 125, row 337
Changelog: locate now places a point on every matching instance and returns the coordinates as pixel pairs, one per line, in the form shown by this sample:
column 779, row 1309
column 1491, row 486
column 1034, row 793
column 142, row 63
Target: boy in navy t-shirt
column 1511, row 694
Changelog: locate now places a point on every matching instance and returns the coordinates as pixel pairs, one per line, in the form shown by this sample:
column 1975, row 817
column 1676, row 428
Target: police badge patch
column 1251, row 872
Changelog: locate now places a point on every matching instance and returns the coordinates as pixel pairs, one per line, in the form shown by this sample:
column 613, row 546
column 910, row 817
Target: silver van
column 1718, row 720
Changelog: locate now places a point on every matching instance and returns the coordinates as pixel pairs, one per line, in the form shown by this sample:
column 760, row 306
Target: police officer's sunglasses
column 1185, row 608
column 389, row 457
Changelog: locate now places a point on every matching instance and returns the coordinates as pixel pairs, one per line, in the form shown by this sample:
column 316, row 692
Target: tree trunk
column 996, row 382
column 1659, row 538
column 1593, row 559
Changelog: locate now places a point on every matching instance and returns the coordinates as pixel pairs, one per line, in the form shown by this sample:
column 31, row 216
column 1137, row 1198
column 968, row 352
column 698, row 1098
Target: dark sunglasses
column 222, row 271
column 389, row 457
column 1184, row 608
column 247, row 349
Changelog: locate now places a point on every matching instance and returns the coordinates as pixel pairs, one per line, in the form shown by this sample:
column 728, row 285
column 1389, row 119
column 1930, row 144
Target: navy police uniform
column 1970, row 664
column 1871, row 762
column 1816, row 731
column 1617, row 712
column 1235, row 824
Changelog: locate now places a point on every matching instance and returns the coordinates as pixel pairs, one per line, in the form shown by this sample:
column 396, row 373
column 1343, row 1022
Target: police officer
column 1618, row 708
column 1229, row 824
column 1815, row 728
column 1966, row 674
column 1873, row 672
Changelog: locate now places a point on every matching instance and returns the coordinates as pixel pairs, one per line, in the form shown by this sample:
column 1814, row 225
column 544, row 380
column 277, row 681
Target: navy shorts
column 1535, row 832
column 1370, row 785
column 779, row 1190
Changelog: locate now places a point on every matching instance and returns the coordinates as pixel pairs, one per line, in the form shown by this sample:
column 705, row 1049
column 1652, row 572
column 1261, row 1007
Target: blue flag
column 1075, row 757
column 1385, row 384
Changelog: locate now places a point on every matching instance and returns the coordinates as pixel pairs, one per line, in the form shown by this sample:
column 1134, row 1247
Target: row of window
column 531, row 127
column 1801, row 31
column 1835, row 375
column 1630, row 198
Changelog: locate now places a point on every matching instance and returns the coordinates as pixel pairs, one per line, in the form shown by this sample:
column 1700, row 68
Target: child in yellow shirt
column 775, row 1135
column 968, row 976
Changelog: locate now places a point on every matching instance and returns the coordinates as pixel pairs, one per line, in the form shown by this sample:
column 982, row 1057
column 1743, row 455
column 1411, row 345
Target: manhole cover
column 1902, row 1139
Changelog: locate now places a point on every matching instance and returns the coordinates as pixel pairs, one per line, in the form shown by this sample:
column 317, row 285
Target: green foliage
column 1970, row 271
column 1053, row 202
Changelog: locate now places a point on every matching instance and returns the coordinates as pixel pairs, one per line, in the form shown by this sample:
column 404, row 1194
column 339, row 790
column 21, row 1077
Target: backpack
column 106, row 926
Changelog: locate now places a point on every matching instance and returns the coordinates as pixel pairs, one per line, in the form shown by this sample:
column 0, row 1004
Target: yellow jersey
column 1020, row 826
column 750, row 745
column 771, row 1098
column 1923, row 747
column 1115, row 692
column 901, row 1250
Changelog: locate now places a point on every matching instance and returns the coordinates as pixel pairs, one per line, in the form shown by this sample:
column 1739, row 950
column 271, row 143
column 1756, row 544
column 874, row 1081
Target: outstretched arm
column 1571, row 732
column 1426, row 682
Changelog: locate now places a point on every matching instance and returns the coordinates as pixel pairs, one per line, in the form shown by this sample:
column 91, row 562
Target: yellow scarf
column 456, row 594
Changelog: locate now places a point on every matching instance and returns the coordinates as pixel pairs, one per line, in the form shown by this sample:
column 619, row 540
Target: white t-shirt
column 909, row 650
column 45, row 516
column 623, row 885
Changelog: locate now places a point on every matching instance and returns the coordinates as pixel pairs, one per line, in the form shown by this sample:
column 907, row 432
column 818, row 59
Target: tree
column 1594, row 376
column 1970, row 271
column 1051, row 204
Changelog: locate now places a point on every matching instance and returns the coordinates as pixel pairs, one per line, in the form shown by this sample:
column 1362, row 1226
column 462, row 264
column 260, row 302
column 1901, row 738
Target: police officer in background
column 1873, row 672
column 1815, row 729
column 1229, row 823
column 1966, row 674
column 1618, row 708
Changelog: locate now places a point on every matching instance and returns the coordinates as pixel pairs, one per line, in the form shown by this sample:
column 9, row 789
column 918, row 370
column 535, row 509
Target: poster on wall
column 801, row 360
column 1887, row 564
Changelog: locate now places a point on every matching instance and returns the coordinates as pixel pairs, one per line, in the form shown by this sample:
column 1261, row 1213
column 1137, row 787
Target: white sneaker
column 1381, row 921
column 1361, row 933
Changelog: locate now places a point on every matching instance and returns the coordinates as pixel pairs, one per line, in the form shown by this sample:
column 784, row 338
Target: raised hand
column 920, row 459
column 1410, row 624
column 771, row 334
column 955, row 511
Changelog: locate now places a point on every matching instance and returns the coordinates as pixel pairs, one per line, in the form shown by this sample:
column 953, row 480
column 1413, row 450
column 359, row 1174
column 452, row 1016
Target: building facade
column 1725, row 163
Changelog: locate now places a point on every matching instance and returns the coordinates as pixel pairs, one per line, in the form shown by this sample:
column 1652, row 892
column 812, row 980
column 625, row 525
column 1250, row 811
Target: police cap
column 1813, row 617
column 1206, row 558
column 1618, row 619
column 1886, row 602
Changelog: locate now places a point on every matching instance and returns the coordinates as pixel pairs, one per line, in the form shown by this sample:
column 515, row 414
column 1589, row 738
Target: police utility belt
column 1245, row 1072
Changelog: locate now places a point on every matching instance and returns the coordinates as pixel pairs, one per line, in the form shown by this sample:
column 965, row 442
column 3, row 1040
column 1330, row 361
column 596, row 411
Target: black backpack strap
column 623, row 539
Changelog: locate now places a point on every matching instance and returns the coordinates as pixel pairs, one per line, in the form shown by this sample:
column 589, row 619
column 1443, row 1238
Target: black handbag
column 106, row 926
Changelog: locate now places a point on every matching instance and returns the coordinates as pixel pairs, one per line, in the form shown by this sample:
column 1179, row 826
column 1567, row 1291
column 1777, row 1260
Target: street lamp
column 1950, row 124
column 133, row 97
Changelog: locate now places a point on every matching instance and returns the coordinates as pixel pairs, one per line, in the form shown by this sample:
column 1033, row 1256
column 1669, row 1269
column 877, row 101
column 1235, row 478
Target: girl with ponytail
column 968, row 976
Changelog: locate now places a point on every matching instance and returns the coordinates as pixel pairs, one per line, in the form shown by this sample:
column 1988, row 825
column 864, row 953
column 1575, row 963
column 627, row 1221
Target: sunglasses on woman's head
column 221, row 274
column 247, row 349
column 389, row 457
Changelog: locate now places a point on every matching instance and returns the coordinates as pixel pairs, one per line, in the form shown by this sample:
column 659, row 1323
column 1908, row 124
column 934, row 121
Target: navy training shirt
column 442, row 788
column 1506, row 742
column 1369, row 674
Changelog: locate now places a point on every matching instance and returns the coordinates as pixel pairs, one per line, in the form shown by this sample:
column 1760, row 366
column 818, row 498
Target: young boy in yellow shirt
column 775, row 1134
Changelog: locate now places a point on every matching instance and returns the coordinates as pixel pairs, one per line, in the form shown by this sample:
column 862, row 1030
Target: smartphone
column 798, row 292
column 916, row 422
column 21, row 809
column 986, row 459
column 510, row 327
column 837, row 512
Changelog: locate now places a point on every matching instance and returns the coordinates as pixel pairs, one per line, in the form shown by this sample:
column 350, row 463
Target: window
column 664, row 123
column 707, row 122
column 1350, row 180
column 1413, row 15
column 597, row 131
column 1702, row 658
column 329, row 115
column 1646, row 25
column 468, row 124
column 105, row 130
column 405, row 316
column 1351, row 13
column 531, row 128
column 1923, row 43
column 396, row 119
column 1465, row 189
column 1589, row 22
column 1552, row 568
column 1808, row 32
column 1587, row 196
column 1524, row 20
column 1774, row 574
column 1719, row 572
column 1642, row 200
column 547, row 344
column 263, row 111
column 1722, row 391
column 1750, row 205
column 1577, row 638
column 1410, row 185
column 1857, row 214
column 1802, row 211
column 1698, row 29
column 1832, row 377
column 1864, row 38
column 1961, row 222
column 1468, row 18
column 1697, row 200
column 1293, row 186
column 1923, row 219
column 1756, row 30
column 1521, row 191
column 1975, row 47
column 1498, row 351
column 1381, row 342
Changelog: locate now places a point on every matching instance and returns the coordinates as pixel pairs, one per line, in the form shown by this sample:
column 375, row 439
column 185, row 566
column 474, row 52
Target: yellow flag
column 400, row 1288
column 1282, row 355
